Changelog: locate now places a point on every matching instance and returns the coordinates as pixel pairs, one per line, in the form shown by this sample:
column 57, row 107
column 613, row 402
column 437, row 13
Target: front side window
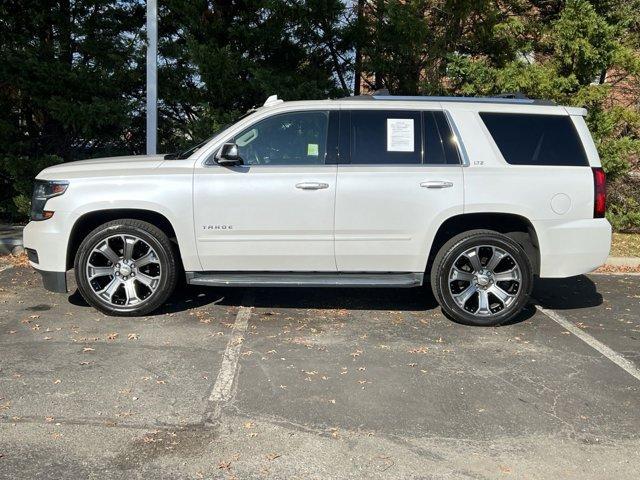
column 296, row 138
column 533, row 139
column 385, row 137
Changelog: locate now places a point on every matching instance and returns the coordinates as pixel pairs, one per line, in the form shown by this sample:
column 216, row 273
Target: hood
column 110, row 165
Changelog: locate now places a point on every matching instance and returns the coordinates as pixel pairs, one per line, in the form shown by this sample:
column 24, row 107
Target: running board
column 304, row 279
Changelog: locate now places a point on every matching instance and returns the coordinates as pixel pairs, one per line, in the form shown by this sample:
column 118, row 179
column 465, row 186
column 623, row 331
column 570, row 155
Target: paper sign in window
column 400, row 135
column 312, row 149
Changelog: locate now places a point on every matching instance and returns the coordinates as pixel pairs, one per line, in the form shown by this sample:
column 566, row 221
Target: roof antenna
column 272, row 100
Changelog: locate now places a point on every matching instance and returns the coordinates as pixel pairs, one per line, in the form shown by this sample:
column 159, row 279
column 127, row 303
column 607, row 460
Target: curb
column 10, row 238
column 623, row 261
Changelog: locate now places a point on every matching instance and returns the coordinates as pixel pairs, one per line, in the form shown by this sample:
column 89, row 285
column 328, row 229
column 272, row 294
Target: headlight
column 43, row 190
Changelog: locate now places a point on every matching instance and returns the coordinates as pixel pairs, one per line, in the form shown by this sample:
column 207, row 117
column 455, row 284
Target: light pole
column 152, row 76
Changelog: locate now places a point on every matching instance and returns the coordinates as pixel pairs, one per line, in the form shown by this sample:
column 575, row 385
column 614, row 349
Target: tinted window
column 529, row 139
column 439, row 143
column 385, row 137
column 296, row 138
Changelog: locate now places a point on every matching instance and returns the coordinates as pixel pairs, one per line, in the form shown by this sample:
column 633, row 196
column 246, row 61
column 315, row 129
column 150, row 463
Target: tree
column 70, row 87
column 222, row 57
column 406, row 45
column 575, row 52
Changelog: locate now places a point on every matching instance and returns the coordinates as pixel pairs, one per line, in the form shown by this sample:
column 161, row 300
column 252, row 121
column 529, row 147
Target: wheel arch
column 91, row 220
column 517, row 227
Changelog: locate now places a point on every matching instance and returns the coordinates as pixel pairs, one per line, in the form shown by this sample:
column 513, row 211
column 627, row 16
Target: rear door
column 399, row 177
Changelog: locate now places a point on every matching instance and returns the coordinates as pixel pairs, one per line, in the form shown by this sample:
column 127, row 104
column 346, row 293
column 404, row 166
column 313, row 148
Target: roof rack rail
column 506, row 98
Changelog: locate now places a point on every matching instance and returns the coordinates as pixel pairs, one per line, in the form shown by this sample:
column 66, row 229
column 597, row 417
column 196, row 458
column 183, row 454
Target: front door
column 275, row 212
column 403, row 179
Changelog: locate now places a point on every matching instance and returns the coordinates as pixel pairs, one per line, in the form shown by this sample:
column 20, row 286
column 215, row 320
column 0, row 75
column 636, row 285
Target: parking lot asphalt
column 313, row 383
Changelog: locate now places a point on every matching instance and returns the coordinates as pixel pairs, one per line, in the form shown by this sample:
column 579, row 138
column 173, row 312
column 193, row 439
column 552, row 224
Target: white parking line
column 224, row 388
column 615, row 357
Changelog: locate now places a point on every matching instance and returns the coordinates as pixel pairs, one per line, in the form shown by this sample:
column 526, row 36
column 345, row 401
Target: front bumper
column 49, row 238
column 46, row 244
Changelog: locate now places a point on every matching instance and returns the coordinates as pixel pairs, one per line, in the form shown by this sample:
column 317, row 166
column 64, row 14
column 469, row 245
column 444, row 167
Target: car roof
column 379, row 101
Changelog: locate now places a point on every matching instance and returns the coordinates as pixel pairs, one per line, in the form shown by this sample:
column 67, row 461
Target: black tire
column 451, row 252
column 165, row 259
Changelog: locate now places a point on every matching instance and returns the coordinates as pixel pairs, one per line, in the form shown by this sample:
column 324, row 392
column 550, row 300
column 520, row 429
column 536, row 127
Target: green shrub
column 16, row 176
column 623, row 209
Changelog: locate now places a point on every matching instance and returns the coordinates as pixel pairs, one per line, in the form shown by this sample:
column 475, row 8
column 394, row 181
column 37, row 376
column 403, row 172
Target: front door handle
column 436, row 184
column 312, row 185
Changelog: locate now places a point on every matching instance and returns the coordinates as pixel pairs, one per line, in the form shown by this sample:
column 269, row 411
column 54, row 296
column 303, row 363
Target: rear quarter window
column 531, row 139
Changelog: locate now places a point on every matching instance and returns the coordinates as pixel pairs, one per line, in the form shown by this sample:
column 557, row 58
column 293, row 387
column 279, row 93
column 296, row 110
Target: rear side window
column 439, row 143
column 530, row 139
column 385, row 137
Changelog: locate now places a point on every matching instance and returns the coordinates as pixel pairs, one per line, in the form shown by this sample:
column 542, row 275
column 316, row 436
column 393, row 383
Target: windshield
column 191, row 150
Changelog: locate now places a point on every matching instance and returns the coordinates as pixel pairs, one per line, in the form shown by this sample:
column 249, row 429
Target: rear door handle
column 436, row 184
column 312, row 185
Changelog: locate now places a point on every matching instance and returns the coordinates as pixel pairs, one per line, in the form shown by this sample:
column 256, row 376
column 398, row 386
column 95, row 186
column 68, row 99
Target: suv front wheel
column 126, row 267
column 481, row 277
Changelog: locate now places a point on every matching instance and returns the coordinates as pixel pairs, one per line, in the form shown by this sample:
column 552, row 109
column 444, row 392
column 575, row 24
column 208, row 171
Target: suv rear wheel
column 126, row 267
column 481, row 277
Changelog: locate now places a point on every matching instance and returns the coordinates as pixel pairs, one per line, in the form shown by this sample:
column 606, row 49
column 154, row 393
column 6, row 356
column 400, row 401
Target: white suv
column 474, row 196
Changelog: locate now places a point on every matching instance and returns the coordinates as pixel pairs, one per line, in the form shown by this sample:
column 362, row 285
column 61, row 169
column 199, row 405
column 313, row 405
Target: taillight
column 599, row 192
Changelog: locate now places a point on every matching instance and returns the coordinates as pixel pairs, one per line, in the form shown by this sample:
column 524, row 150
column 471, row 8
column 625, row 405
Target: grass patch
column 625, row 245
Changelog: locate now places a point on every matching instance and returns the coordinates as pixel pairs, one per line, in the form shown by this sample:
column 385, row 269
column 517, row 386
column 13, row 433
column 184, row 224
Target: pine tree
column 70, row 86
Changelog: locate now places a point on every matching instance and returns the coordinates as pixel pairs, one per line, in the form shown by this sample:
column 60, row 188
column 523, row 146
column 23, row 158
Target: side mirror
column 228, row 155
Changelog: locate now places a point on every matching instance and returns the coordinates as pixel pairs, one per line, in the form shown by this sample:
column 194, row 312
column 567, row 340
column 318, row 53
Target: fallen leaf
column 419, row 350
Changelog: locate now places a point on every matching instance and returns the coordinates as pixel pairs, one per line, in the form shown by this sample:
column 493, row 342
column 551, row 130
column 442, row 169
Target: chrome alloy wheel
column 123, row 270
column 484, row 280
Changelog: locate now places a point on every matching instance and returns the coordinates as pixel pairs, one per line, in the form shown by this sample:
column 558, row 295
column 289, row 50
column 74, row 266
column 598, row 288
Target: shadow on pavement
column 187, row 297
column 417, row 299
column 183, row 299
column 567, row 293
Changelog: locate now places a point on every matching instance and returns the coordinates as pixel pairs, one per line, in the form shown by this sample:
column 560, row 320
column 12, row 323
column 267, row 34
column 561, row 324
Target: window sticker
column 312, row 149
column 400, row 135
